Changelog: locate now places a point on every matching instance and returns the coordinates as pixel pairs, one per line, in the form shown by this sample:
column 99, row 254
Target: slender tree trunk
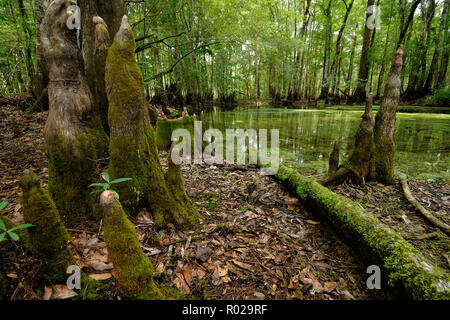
column 350, row 68
column 445, row 56
column 28, row 36
column 363, row 75
column 338, row 48
column 41, row 74
column 433, row 73
column 327, row 52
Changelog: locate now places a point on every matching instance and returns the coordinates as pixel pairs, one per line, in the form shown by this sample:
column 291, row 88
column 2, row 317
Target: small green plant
column 14, row 236
column 107, row 185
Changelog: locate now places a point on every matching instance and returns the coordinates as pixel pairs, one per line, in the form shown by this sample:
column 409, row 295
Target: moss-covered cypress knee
column 132, row 268
column 133, row 151
column 48, row 238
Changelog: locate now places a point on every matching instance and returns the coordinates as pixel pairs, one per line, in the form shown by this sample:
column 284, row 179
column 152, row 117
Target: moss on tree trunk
column 358, row 166
column 165, row 127
column 133, row 151
column 48, row 238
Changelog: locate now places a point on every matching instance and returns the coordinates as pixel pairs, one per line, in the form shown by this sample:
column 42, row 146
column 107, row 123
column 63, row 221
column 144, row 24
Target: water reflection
column 307, row 136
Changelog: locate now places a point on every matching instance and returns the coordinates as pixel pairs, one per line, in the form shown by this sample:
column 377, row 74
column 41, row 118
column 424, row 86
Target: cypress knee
column 48, row 238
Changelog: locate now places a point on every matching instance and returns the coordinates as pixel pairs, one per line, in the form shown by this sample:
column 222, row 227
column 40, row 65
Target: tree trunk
column 445, row 55
column 102, row 43
column 385, row 122
column 359, row 166
column 350, row 68
column 363, row 75
column 327, row 53
column 433, row 73
column 133, row 151
column 111, row 11
column 41, row 75
column 28, row 36
column 73, row 134
column 338, row 48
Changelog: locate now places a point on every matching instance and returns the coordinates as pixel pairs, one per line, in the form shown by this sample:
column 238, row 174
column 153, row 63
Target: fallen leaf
column 48, row 293
column 242, row 265
column 330, row 286
column 312, row 222
column 61, row 291
column 259, row 295
column 100, row 276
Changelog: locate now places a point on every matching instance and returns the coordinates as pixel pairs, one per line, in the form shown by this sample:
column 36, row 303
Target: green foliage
column 107, row 185
column 441, row 97
column 14, row 236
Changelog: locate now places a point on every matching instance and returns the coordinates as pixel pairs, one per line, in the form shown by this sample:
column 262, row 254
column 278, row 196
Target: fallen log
column 404, row 268
column 427, row 214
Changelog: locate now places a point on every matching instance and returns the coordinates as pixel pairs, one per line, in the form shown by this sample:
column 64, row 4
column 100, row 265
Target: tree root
column 427, row 214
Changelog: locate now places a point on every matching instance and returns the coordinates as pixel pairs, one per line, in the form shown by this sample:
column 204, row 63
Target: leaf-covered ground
column 255, row 241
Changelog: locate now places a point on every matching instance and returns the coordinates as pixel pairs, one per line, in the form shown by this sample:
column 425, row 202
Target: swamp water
column 307, row 136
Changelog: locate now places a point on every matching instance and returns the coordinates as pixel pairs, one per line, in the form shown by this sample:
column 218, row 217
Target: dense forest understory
column 91, row 95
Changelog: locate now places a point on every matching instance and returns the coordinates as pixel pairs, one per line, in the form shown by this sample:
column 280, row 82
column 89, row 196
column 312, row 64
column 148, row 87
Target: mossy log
column 133, row 150
column 404, row 267
column 133, row 270
column 165, row 127
column 48, row 239
column 74, row 136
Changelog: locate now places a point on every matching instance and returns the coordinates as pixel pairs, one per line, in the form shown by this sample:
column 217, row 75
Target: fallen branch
column 427, row 214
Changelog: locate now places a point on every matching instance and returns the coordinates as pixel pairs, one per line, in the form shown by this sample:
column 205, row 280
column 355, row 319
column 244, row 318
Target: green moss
column 175, row 183
column 133, row 151
column 164, row 129
column 72, row 168
column 132, row 268
column 407, row 269
column 48, row 238
column 384, row 160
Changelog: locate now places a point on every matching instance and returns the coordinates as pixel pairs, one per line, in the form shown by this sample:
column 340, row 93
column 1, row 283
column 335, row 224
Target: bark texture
column 111, row 12
column 359, row 167
column 102, row 43
column 73, row 133
column 385, row 122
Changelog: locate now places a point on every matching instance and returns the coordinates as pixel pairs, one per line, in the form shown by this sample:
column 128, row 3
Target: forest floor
column 255, row 241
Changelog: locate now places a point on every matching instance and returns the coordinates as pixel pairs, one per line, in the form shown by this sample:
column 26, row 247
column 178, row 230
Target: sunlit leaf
column 13, row 235
column 120, row 180
column 105, row 176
